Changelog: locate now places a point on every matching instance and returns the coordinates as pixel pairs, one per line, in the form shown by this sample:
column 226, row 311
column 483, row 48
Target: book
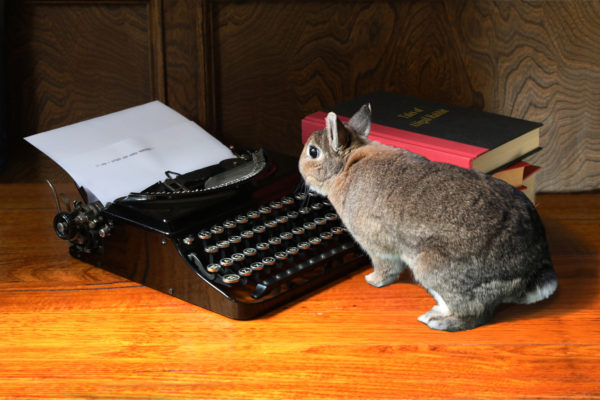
column 528, row 186
column 461, row 136
column 513, row 174
column 520, row 175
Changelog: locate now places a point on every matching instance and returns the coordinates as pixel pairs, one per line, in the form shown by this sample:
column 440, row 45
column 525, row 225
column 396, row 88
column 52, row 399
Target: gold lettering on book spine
column 409, row 114
column 426, row 119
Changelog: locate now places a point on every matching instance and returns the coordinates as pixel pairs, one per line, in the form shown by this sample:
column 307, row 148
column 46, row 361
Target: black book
column 461, row 136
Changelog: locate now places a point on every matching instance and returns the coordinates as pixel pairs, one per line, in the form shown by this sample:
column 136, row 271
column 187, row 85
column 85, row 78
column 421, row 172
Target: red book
column 465, row 137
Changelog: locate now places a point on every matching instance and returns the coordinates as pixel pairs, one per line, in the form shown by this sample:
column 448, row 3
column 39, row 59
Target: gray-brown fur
column 471, row 240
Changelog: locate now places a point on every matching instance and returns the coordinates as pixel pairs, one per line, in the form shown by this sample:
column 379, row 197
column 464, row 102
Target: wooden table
column 70, row 330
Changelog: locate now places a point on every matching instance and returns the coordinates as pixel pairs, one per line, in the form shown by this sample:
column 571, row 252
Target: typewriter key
column 213, row 268
column 226, row 262
column 262, row 247
column 188, row 240
column 235, row 242
column 204, row 235
column 310, row 226
column 217, row 229
column 253, row 216
column 238, row 257
column 283, row 220
column 257, row 266
column 247, row 235
column 316, row 206
column 287, row 200
column 331, row 217
column 265, row 210
column 320, row 222
column 223, row 245
column 315, row 241
column 292, row 251
column 286, row 237
column 259, row 231
column 245, row 271
column 269, row 261
column 281, row 256
column 231, row 279
column 229, row 224
column 271, row 224
column 276, row 205
column 337, row 230
column 274, row 242
column 326, row 235
column 298, row 231
column 300, row 196
column 250, row 253
column 241, row 219
column 304, row 246
column 211, row 251
column 293, row 216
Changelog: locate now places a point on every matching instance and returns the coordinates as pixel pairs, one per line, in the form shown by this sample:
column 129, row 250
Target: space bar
column 266, row 285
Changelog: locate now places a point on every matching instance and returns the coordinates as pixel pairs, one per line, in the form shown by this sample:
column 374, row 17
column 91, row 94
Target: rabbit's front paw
column 379, row 280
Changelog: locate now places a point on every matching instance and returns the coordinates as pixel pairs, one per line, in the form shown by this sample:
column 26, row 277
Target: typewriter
column 237, row 238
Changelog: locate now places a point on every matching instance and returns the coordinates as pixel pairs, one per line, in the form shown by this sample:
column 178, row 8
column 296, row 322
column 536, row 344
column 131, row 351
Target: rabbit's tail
column 543, row 284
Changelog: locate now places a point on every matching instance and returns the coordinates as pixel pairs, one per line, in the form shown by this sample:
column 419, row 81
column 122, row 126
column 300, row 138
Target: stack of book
column 491, row 143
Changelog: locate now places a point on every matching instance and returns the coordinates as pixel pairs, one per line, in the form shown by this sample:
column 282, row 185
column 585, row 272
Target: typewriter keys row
column 265, row 245
column 239, row 266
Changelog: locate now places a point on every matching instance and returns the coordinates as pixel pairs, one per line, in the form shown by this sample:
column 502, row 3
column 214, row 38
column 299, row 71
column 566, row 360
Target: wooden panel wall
column 73, row 60
column 279, row 61
column 250, row 70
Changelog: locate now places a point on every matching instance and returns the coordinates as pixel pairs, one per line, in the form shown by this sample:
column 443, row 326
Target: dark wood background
column 250, row 70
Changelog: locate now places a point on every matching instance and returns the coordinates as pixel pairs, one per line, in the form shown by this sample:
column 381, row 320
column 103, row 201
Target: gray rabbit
column 471, row 240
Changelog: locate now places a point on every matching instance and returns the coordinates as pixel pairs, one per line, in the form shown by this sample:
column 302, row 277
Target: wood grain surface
column 73, row 331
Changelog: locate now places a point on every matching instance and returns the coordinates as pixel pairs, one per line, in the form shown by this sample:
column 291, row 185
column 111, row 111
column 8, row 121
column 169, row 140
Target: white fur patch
column 332, row 128
column 441, row 307
column 540, row 293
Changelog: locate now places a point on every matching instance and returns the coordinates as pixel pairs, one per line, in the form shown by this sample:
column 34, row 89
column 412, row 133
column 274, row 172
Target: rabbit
column 471, row 240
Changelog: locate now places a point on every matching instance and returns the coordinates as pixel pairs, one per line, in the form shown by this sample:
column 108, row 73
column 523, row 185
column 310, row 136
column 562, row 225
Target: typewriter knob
column 64, row 226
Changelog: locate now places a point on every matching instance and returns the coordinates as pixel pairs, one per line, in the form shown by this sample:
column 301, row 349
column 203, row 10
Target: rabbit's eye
column 313, row 152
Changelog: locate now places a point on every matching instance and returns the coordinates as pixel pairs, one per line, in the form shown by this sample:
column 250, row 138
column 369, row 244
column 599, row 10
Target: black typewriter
column 236, row 238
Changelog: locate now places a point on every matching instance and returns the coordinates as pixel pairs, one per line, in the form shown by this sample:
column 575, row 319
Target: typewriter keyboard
column 262, row 252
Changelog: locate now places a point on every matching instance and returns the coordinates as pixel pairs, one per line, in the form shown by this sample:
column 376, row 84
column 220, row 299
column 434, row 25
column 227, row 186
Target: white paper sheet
column 116, row 154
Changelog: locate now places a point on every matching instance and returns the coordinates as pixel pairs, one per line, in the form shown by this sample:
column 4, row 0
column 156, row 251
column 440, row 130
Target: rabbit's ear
column 360, row 122
column 337, row 134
